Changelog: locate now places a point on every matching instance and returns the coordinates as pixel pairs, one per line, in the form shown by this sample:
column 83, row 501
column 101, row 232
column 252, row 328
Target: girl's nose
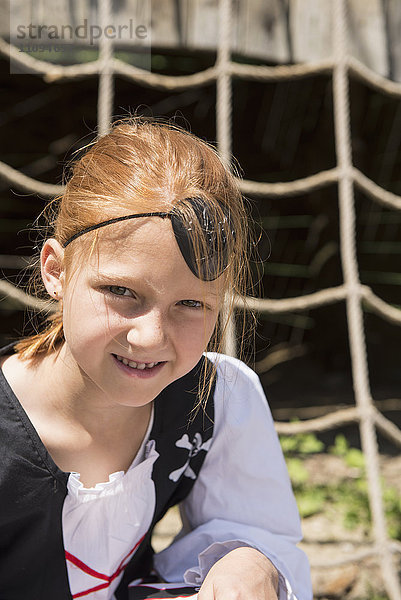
column 148, row 332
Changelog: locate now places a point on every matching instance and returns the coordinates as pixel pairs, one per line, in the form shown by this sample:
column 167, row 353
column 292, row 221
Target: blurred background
column 280, row 129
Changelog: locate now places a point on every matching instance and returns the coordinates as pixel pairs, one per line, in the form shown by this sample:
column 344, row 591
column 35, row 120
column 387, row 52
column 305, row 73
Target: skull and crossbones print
column 194, row 447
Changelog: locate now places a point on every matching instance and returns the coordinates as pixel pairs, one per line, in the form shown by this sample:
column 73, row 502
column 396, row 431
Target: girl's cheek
column 198, row 332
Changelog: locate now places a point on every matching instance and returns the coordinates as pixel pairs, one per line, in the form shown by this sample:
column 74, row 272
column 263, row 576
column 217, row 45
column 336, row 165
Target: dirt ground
column 325, row 538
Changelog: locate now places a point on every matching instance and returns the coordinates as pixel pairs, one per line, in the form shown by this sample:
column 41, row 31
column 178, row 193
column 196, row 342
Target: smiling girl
column 98, row 432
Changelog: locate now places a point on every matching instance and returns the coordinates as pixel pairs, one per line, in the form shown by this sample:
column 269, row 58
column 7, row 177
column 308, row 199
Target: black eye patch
column 215, row 260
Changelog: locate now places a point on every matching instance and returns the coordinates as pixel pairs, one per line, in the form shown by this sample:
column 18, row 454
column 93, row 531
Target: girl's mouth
column 141, row 369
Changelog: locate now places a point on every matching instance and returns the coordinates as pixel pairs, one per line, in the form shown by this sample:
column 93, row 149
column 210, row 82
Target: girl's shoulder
column 240, row 402
column 233, row 372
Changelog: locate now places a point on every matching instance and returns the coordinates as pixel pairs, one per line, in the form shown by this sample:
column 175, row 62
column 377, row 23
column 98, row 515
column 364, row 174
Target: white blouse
column 242, row 497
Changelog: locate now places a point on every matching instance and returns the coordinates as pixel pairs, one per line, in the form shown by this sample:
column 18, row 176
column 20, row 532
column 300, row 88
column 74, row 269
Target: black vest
column 33, row 489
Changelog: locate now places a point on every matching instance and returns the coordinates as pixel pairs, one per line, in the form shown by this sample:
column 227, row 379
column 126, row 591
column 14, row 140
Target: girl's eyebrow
column 113, row 276
column 124, row 278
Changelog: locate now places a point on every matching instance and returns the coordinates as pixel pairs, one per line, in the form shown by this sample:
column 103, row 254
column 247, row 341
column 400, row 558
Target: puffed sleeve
column 243, row 494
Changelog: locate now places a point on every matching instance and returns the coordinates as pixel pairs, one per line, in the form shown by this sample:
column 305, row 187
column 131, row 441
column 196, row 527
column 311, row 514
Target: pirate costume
column 61, row 540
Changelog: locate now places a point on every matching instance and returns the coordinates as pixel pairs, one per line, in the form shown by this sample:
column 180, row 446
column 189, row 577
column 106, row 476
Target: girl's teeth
column 135, row 365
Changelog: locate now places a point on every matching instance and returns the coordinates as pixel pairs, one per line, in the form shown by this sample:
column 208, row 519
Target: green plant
column 348, row 497
column 301, row 443
column 353, row 457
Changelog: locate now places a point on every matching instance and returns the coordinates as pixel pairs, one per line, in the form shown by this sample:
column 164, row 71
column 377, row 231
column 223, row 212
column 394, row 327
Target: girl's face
column 135, row 317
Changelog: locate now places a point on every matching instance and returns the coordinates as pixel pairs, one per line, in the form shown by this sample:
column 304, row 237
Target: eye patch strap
column 163, row 215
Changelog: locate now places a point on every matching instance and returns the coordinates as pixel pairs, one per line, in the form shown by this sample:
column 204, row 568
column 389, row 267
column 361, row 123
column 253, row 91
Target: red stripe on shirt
column 107, row 578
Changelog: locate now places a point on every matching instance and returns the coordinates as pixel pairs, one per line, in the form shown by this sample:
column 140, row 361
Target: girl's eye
column 192, row 303
column 119, row 290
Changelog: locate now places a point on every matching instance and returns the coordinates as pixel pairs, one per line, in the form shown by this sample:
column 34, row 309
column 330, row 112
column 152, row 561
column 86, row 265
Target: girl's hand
column 242, row 574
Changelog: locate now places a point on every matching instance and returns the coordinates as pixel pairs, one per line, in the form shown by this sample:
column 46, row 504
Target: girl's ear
column 52, row 267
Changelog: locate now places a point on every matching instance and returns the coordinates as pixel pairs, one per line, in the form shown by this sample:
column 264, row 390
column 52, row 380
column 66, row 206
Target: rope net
column 345, row 176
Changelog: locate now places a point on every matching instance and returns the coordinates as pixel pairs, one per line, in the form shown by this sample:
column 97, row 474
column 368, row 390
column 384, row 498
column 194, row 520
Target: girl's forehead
column 146, row 248
column 129, row 242
column 136, row 235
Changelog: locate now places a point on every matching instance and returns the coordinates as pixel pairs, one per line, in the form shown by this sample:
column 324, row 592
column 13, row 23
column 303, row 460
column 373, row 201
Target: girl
column 99, row 436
